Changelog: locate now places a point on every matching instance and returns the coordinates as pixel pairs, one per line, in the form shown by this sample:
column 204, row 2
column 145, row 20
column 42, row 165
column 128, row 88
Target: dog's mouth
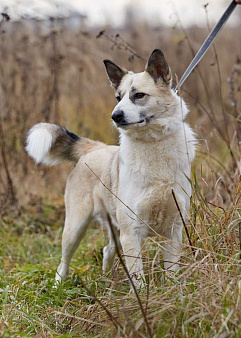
column 126, row 124
column 142, row 122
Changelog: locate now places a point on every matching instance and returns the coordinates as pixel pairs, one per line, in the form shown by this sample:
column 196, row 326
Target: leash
column 207, row 43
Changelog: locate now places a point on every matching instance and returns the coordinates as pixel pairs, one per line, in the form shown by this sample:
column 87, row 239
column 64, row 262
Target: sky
column 112, row 12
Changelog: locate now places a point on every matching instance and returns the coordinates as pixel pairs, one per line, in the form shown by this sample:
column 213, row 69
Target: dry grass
column 57, row 76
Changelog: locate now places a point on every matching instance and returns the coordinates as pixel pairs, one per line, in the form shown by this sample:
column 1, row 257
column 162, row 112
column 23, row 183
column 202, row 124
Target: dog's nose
column 118, row 116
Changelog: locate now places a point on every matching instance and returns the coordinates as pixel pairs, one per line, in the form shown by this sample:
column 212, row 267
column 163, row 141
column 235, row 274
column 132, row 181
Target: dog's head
column 144, row 98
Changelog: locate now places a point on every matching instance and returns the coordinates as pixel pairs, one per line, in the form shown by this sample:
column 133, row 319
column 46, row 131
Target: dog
column 130, row 185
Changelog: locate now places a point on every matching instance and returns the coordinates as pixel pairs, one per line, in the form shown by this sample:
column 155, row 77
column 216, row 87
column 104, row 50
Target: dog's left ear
column 115, row 73
column 158, row 68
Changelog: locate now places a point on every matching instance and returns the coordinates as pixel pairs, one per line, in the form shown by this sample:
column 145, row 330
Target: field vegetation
column 52, row 73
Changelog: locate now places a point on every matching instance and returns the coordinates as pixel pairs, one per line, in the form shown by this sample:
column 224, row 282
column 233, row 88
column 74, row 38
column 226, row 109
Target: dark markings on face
column 133, row 90
column 118, row 95
column 137, row 97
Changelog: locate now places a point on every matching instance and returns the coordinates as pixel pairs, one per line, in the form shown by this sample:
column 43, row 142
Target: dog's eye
column 118, row 98
column 139, row 96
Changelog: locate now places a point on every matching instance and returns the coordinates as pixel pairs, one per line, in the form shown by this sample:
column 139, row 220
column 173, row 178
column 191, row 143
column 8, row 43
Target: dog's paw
column 57, row 282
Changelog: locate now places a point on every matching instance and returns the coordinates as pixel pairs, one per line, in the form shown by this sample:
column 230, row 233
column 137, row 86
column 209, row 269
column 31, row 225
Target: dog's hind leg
column 76, row 223
column 172, row 247
column 172, row 231
column 109, row 250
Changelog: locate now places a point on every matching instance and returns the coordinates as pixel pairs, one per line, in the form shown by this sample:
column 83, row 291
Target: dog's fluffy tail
column 51, row 144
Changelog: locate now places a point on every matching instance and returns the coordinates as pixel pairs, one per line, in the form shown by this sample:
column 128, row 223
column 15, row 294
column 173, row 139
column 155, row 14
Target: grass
column 202, row 300
column 29, row 301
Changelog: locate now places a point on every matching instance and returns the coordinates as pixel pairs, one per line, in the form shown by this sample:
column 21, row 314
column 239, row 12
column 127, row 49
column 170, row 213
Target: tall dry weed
column 56, row 75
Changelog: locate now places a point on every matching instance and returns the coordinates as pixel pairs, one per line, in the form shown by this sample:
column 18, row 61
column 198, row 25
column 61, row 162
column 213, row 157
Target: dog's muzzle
column 118, row 117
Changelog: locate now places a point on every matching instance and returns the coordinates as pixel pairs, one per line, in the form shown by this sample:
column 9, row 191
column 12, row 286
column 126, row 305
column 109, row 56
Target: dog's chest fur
column 148, row 173
column 145, row 163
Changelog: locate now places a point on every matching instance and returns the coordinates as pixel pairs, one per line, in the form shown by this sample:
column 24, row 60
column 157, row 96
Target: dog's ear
column 115, row 73
column 157, row 67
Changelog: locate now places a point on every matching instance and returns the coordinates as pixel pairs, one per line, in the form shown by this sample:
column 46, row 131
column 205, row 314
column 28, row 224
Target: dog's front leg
column 131, row 242
column 172, row 247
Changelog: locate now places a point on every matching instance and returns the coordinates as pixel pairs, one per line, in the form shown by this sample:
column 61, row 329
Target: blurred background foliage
column 53, row 72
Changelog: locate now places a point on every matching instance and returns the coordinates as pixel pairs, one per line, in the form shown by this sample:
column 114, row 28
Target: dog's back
column 96, row 165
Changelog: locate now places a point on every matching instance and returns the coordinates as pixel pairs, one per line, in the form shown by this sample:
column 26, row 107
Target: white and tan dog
column 154, row 157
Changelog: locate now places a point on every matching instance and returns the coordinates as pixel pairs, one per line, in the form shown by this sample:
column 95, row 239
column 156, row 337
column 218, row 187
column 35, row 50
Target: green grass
column 202, row 300
column 30, row 252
